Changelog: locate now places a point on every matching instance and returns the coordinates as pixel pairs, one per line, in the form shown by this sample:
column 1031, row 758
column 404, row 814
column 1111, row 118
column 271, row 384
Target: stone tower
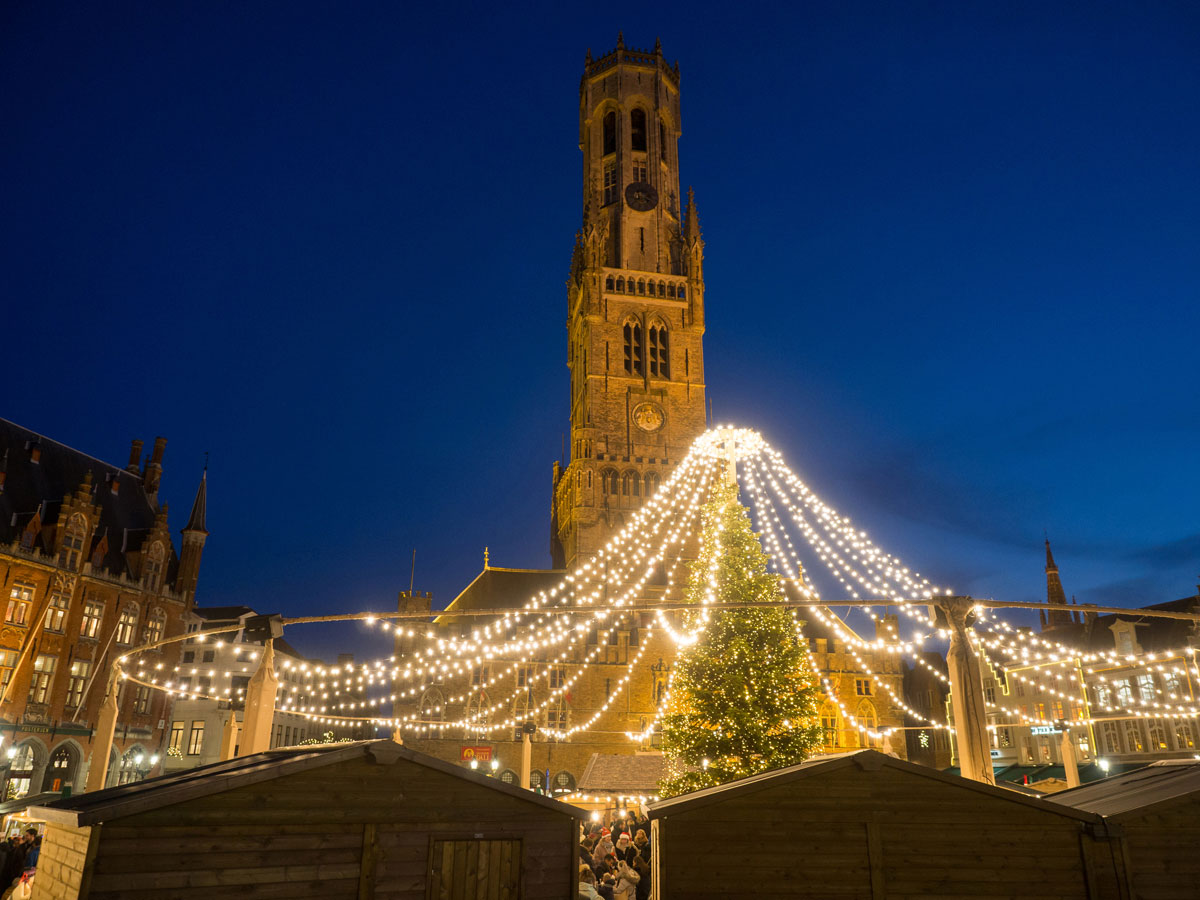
column 635, row 304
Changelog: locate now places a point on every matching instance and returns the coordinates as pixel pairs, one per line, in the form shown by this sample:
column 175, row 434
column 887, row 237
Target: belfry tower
column 635, row 304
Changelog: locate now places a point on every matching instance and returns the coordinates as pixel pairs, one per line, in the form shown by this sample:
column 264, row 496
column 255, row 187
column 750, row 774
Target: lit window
column 19, row 602
column 126, row 624
column 43, row 678
column 155, row 627
column 141, row 700
column 56, row 613
column 862, row 687
column 177, row 729
column 81, row 669
column 196, row 738
column 8, row 661
column 93, row 612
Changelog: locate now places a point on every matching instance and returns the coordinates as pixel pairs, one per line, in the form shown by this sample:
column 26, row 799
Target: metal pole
column 966, row 692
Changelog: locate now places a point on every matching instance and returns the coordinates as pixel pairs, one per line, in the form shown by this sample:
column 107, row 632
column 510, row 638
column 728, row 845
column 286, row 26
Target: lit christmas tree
column 743, row 698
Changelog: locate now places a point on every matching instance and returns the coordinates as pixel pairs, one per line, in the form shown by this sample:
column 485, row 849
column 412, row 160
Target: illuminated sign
column 483, row 754
column 1043, row 729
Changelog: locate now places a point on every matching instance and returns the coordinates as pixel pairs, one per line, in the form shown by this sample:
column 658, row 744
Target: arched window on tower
column 652, row 481
column 610, row 133
column 634, row 361
column 610, row 482
column 627, row 484
column 637, row 130
column 660, row 357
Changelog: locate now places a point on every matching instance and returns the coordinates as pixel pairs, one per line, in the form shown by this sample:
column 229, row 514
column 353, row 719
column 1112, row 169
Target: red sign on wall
column 483, row 754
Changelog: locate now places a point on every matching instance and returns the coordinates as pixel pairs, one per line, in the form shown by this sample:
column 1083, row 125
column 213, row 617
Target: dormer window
column 71, row 550
column 152, row 567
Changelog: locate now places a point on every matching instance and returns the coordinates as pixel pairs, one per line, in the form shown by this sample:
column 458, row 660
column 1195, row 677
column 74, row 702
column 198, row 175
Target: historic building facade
column 635, row 324
column 88, row 569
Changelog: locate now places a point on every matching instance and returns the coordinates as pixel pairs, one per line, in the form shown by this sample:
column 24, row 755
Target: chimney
column 154, row 470
column 135, row 457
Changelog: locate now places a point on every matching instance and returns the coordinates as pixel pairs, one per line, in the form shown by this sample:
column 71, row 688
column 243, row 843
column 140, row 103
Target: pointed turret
column 195, row 533
column 691, row 223
column 1055, row 595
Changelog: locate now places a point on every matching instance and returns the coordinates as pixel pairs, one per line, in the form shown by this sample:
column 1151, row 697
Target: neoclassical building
column 88, row 569
column 635, row 326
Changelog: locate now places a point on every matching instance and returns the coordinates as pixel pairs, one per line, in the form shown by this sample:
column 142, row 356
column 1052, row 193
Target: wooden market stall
column 868, row 825
column 1155, row 812
column 369, row 819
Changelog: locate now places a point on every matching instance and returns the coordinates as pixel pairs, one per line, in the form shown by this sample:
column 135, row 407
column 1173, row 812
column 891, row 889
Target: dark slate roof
column 867, row 760
column 125, row 518
column 203, row 781
column 1134, row 791
column 216, row 614
column 1153, row 634
column 615, row 773
column 503, row 589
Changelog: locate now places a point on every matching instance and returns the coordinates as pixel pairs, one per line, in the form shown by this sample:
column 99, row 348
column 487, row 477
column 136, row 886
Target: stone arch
column 26, row 767
column 131, row 766
column 562, row 783
column 64, row 766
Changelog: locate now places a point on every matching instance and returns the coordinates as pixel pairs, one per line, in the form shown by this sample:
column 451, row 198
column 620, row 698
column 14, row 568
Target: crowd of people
column 18, row 857
column 614, row 859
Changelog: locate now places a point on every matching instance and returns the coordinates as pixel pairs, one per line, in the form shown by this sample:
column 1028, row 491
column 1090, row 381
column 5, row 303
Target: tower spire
column 1055, row 595
column 199, row 506
column 194, row 535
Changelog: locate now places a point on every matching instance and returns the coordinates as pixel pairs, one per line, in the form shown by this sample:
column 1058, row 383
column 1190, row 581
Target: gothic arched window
column 637, row 130
column 610, row 132
column 609, row 481
column 620, row 285
column 634, row 360
column 72, row 543
column 627, row 484
column 660, row 357
column 652, row 481
column 866, row 719
column 126, row 623
column 671, row 291
column 608, row 283
column 830, row 726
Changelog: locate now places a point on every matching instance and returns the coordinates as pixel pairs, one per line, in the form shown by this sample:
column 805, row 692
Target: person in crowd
column 624, row 850
column 626, row 882
column 33, row 847
column 642, row 843
column 587, row 884
column 604, row 846
column 586, row 846
column 642, row 867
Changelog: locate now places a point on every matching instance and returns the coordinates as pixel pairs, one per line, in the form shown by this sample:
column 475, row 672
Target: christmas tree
column 743, row 697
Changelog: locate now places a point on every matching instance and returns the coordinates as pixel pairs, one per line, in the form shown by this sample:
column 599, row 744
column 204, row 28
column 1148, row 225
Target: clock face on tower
column 641, row 196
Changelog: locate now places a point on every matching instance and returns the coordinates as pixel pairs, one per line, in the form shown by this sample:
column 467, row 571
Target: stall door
column 475, row 870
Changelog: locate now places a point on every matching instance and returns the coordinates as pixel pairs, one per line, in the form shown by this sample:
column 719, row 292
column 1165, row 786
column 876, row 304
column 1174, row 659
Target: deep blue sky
column 953, row 269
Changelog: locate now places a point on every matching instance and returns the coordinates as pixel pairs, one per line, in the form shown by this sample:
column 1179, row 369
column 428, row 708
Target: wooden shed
column 369, row 819
column 867, row 825
column 1154, row 813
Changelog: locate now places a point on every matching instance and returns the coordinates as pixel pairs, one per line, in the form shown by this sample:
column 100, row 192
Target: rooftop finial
column 620, row 40
column 485, row 557
column 658, row 46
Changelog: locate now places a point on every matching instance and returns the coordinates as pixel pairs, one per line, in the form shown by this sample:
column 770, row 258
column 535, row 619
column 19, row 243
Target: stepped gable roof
column 866, row 760
column 1134, row 792
column 620, row 773
column 495, row 588
column 154, row 793
column 126, row 518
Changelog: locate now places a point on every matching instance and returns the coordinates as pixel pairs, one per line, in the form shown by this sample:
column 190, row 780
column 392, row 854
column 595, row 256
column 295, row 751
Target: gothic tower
column 635, row 304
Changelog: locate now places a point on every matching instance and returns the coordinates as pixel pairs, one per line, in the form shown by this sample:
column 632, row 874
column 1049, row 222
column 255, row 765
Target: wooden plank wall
column 874, row 834
column 1163, row 848
column 345, row 831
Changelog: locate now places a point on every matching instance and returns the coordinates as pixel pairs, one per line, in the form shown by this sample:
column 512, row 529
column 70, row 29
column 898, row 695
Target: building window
column 155, row 627
column 989, row 694
column 557, row 677
column 152, row 567
column 1103, row 694
column 1145, row 684
column 1124, row 692
column 1058, row 710
column 177, row 729
column 93, row 612
column 196, row 738
column 208, row 656
column 1185, row 734
column 19, row 602
column 637, row 130
column 43, row 678
column 71, row 549
column 610, row 133
column 862, row 687
column 433, row 707
column 524, row 676
column 639, row 171
column 126, row 624
column 634, row 363
column 1158, row 736
column 610, row 193
column 1133, row 737
column 8, row 661
column 141, row 700
column 1125, row 641
column 81, row 669
column 829, row 724
column 1111, row 738
column 652, row 481
column 556, row 717
column 56, row 613
column 1041, row 710
column 660, row 356
column 867, row 720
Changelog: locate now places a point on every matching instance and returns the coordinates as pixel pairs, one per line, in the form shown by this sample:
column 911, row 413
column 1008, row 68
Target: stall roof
column 8, row 807
column 129, row 799
column 1158, row 782
column 620, row 773
column 868, row 760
